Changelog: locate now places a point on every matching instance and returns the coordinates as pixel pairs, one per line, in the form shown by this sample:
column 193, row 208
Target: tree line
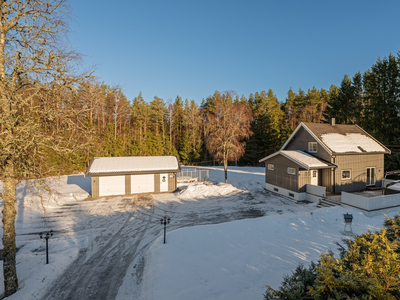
column 156, row 127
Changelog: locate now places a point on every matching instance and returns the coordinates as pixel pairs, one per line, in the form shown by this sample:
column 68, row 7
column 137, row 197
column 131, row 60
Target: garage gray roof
column 105, row 166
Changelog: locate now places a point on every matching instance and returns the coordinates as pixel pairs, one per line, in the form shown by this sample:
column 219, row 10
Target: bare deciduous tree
column 228, row 123
column 35, row 89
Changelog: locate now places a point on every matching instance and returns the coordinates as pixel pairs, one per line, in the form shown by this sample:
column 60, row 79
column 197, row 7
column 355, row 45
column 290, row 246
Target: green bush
column 368, row 267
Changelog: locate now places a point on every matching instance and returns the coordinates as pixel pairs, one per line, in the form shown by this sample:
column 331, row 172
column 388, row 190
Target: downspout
column 334, row 179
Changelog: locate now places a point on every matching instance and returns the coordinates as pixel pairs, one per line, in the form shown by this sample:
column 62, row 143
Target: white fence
column 373, row 203
column 192, row 175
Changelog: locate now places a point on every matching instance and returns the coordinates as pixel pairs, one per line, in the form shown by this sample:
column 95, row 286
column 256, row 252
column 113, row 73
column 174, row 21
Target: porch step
column 324, row 202
column 373, row 188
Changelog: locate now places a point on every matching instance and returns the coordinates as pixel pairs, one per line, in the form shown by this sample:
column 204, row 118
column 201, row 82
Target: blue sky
column 193, row 48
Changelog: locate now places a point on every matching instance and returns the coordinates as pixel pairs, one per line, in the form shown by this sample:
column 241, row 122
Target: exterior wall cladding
column 172, row 184
column 300, row 142
column 357, row 164
column 279, row 175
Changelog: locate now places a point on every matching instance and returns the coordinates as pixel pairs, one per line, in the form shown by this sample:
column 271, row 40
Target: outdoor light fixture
column 348, row 218
column 165, row 221
column 47, row 235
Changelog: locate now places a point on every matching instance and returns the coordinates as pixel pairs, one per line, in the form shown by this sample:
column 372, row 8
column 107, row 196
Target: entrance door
column 371, row 176
column 163, row 182
column 314, row 177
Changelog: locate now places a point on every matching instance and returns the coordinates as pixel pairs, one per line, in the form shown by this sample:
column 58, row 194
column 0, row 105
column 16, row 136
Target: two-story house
column 337, row 157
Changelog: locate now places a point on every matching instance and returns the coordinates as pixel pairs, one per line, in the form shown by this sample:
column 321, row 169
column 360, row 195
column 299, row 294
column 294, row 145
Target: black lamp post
column 47, row 235
column 165, row 221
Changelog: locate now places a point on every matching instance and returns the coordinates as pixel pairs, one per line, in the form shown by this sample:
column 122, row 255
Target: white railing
column 314, row 192
column 372, row 203
column 192, row 175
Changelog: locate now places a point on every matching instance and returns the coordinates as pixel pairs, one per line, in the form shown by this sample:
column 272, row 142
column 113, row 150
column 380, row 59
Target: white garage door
column 163, row 182
column 111, row 185
column 142, row 183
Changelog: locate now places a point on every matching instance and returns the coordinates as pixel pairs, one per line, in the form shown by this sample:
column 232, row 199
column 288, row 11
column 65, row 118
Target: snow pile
column 201, row 191
column 236, row 260
column 53, row 191
column 351, row 142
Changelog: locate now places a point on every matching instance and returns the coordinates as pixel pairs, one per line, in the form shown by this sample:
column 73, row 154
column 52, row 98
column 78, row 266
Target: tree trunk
column 226, row 169
column 9, row 245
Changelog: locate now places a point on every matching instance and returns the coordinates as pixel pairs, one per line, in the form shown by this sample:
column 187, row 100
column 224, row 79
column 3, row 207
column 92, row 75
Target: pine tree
column 267, row 125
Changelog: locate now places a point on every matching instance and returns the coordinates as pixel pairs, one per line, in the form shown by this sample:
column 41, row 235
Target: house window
column 270, row 167
column 291, row 171
column 346, row 174
column 312, row 147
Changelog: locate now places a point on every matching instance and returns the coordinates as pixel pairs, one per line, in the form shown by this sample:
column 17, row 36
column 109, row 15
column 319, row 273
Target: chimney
column 332, row 121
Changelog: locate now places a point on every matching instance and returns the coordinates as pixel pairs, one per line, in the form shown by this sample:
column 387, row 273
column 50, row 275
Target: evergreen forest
column 122, row 127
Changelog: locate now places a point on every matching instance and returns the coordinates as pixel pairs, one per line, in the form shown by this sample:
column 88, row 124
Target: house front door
column 314, row 177
column 371, row 176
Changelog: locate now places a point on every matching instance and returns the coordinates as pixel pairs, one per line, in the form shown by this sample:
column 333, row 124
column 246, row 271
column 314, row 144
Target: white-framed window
column 346, row 174
column 312, row 147
column 314, row 173
column 291, row 171
column 270, row 167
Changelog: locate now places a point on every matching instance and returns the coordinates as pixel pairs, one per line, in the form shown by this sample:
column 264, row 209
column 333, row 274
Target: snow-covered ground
column 225, row 241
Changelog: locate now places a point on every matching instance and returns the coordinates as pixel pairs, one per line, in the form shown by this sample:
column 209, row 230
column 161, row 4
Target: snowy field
column 225, row 241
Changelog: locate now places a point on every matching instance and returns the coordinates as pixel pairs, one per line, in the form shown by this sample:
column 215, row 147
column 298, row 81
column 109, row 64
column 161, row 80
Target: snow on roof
column 304, row 158
column 351, row 142
column 132, row 164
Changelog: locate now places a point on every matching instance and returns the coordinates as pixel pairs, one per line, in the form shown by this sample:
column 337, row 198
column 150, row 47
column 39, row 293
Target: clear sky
column 191, row 48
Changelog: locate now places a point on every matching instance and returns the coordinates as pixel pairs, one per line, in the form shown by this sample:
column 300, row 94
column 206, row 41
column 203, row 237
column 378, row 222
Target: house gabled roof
column 303, row 159
column 340, row 139
column 108, row 166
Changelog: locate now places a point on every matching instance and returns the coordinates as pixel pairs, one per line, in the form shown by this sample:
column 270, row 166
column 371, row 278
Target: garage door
column 163, row 182
column 111, row 185
column 142, row 183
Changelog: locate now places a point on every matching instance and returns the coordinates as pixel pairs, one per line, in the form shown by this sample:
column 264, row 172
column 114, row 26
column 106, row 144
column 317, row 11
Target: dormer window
column 312, row 147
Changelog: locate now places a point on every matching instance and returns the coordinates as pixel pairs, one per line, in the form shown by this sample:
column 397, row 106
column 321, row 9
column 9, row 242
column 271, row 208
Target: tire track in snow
column 99, row 276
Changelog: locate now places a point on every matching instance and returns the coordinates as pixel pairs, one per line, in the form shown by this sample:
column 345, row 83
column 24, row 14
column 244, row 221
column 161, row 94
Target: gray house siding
column 300, row 142
column 304, row 178
column 157, row 182
column 95, row 187
column 128, row 184
column 326, row 179
column 357, row 164
column 172, row 182
column 279, row 175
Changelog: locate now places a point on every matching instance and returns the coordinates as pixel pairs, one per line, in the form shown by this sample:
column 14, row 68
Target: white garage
column 133, row 175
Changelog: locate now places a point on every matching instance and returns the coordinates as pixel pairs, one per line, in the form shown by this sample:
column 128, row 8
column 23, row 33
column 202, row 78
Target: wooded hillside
column 124, row 127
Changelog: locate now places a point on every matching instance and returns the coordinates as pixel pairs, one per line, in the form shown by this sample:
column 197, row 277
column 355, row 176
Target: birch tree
column 228, row 123
column 33, row 61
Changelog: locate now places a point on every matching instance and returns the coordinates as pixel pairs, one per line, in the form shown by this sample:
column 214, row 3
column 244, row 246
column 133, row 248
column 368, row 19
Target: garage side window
column 346, row 174
column 291, row 171
column 312, row 147
column 270, row 167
